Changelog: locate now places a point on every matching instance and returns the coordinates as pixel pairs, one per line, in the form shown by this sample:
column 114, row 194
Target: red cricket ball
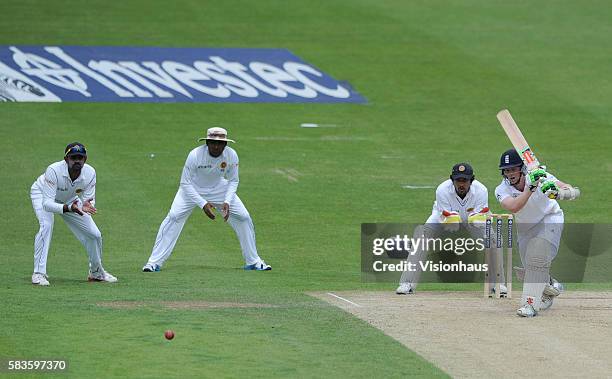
column 169, row 334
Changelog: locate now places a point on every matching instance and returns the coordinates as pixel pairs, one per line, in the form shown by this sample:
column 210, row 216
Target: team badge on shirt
column 79, row 190
column 223, row 165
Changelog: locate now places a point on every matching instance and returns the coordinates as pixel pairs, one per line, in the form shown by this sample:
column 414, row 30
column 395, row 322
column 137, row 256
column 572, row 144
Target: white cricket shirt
column 58, row 189
column 203, row 173
column 538, row 206
column 447, row 200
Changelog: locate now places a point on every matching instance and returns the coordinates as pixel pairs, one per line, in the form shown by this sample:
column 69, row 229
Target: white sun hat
column 216, row 134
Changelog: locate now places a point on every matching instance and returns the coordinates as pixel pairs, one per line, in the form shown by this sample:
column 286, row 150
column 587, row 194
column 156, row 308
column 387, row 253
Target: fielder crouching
column 68, row 188
column 461, row 202
column 209, row 181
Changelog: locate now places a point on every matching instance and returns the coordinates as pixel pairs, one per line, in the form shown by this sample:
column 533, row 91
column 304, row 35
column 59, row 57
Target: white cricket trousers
column 83, row 227
column 550, row 229
column 434, row 229
column 181, row 209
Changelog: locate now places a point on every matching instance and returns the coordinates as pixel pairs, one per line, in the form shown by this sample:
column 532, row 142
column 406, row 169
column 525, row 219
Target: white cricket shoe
column 151, row 267
column 404, row 289
column 527, row 310
column 547, row 302
column 558, row 285
column 259, row 266
column 101, row 276
column 503, row 290
column 39, row 279
column 554, row 288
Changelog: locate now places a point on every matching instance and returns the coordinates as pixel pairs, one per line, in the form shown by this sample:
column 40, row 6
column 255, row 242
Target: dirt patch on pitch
column 469, row 336
column 208, row 304
column 179, row 304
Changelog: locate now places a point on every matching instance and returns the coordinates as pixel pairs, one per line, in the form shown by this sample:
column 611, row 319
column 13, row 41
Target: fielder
column 539, row 221
column 209, row 181
column 68, row 187
column 461, row 201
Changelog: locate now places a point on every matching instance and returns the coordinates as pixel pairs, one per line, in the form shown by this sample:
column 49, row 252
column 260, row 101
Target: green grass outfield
column 434, row 72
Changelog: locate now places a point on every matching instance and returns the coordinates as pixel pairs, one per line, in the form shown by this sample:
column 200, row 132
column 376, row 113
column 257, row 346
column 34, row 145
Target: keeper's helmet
column 510, row 158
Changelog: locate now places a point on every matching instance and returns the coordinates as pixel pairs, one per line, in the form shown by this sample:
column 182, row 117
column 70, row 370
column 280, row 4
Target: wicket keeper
column 460, row 200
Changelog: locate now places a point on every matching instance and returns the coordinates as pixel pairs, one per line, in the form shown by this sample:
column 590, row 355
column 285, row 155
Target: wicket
column 498, row 250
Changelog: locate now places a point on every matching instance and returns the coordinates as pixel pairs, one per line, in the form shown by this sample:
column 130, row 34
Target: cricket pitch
column 469, row 336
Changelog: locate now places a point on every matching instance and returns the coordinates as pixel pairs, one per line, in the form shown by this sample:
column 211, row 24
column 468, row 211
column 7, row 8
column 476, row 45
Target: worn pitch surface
column 469, row 336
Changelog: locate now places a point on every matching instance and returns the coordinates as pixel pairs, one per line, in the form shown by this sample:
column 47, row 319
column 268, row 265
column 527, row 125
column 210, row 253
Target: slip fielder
column 209, row 181
column 68, row 188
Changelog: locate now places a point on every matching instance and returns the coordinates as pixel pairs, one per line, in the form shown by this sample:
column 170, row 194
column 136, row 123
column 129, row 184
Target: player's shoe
column 101, row 276
column 259, row 266
column 151, row 267
column 547, row 302
column 527, row 310
column 503, row 290
column 40, row 279
column 404, row 289
column 554, row 288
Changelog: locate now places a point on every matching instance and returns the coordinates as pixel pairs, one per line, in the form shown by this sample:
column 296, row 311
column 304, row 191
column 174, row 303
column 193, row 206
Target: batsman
column 530, row 196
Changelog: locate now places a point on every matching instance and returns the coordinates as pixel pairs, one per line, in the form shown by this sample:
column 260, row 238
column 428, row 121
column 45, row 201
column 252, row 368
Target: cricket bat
column 527, row 155
column 518, row 141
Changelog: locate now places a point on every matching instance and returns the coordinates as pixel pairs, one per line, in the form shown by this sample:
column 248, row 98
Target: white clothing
column 447, row 200
column 540, row 218
column 49, row 193
column 206, row 179
column 538, row 206
column 203, row 174
column 58, row 189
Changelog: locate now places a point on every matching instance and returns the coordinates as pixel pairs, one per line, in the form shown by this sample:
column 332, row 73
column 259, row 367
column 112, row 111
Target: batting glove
column 550, row 189
column 535, row 177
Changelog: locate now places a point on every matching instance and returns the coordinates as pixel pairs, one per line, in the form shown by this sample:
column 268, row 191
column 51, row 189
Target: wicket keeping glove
column 451, row 221
column 479, row 217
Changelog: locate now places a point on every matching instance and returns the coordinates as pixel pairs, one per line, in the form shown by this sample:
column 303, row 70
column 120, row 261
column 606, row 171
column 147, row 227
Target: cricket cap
column 75, row 148
column 462, row 170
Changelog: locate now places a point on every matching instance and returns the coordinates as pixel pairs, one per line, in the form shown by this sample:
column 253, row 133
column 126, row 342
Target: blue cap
column 75, row 148
column 462, row 170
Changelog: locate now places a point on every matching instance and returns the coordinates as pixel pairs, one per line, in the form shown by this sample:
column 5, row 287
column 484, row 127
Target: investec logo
column 115, row 74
